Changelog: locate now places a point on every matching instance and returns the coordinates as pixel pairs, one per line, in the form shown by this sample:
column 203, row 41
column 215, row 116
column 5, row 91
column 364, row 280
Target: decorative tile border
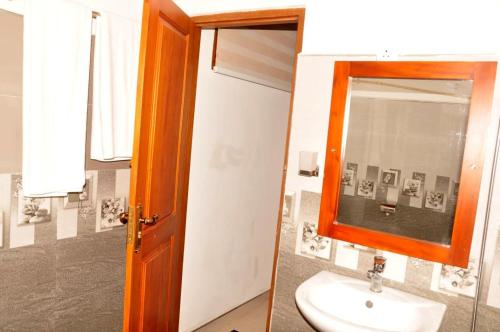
column 61, row 216
column 402, row 269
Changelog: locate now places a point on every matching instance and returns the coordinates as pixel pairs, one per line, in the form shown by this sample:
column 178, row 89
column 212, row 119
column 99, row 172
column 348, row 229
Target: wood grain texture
column 151, row 140
column 483, row 75
column 258, row 17
column 299, row 19
column 333, row 162
column 157, row 270
column 214, row 49
column 160, row 165
column 470, row 178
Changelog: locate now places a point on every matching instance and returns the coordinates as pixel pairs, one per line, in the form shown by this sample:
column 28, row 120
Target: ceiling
column 199, row 7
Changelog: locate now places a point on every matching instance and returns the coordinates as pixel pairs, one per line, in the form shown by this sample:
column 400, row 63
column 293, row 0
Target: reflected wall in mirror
column 405, row 155
column 407, row 138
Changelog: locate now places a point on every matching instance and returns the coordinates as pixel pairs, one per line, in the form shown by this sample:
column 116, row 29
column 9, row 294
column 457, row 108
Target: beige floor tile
column 250, row 317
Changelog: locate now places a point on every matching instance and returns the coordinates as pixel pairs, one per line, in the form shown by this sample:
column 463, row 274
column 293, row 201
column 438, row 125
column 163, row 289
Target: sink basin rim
column 323, row 318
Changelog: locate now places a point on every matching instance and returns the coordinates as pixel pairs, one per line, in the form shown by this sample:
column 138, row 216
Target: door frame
column 230, row 19
column 265, row 17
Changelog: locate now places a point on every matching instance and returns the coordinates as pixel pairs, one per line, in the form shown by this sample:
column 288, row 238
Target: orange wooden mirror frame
column 457, row 253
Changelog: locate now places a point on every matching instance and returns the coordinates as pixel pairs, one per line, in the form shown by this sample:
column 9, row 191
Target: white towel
column 116, row 61
column 57, row 36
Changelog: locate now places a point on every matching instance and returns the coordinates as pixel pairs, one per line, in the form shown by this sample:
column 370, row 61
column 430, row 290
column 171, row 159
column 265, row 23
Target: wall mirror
column 405, row 156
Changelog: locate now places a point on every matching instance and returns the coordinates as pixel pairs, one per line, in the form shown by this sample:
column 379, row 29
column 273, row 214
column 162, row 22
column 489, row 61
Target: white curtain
column 116, row 61
column 57, row 37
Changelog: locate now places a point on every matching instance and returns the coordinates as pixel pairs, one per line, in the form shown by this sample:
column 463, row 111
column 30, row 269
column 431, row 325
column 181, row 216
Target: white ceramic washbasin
column 331, row 302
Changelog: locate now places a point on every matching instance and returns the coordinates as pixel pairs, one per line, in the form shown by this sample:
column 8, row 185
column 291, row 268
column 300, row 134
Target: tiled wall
column 417, row 278
column 301, row 255
column 66, row 274
column 70, row 275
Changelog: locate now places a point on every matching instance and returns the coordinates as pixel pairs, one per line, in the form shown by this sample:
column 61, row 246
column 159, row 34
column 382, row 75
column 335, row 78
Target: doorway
column 162, row 159
column 237, row 160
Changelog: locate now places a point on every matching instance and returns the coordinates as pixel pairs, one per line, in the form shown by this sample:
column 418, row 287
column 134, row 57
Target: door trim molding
column 257, row 17
column 265, row 17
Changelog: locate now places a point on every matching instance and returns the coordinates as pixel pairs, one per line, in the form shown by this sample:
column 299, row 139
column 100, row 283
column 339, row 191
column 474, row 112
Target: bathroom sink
column 331, row 302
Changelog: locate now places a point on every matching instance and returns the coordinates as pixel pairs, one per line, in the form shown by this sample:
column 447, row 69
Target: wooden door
column 160, row 167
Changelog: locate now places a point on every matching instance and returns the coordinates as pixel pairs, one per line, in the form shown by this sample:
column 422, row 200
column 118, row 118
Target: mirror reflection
column 403, row 150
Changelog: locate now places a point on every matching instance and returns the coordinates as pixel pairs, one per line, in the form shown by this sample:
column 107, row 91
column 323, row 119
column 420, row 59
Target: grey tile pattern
column 74, row 284
column 27, row 285
column 488, row 319
column 250, row 316
column 105, row 189
column 68, row 285
column 294, row 269
column 87, row 214
column 90, row 281
column 106, row 184
column 286, row 316
column 419, row 223
column 86, row 221
column 307, row 200
column 46, row 232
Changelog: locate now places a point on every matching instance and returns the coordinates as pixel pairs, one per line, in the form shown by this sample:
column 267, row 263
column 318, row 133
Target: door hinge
column 136, row 220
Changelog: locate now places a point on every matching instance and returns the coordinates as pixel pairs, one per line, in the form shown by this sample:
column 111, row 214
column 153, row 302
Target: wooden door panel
column 172, row 48
column 156, row 275
column 160, row 167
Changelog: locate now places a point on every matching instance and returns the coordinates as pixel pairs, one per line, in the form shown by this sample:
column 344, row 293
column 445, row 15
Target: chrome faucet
column 375, row 275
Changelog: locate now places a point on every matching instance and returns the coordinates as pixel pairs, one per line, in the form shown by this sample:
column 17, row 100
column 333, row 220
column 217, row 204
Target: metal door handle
column 123, row 217
column 149, row 221
column 146, row 221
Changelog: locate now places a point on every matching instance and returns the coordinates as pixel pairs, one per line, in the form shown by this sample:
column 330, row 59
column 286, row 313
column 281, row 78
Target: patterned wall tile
column 21, row 234
column 416, row 273
column 75, row 283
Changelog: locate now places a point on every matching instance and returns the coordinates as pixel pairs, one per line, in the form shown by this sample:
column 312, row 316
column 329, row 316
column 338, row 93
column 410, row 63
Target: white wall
column 460, row 30
column 131, row 9
column 16, row 6
column 406, row 135
column 310, row 129
column 200, row 7
column 417, row 27
column 234, row 192
column 309, row 121
column 355, row 27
